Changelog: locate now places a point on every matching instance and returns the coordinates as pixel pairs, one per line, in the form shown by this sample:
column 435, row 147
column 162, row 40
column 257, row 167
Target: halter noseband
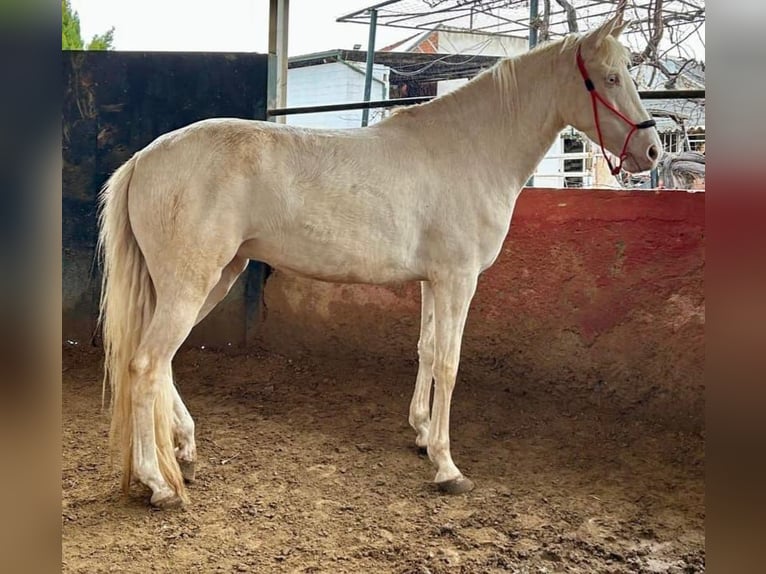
column 595, row 98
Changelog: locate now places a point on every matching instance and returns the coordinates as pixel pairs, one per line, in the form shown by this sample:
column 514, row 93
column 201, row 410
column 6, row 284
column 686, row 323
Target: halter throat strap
column 595, row 99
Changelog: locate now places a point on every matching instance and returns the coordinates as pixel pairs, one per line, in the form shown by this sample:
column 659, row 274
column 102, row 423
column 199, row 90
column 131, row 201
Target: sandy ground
column 310, row 466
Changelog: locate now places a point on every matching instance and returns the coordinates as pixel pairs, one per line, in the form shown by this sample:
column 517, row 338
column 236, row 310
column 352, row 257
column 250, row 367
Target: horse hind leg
column 183, row 423
column 158, row 412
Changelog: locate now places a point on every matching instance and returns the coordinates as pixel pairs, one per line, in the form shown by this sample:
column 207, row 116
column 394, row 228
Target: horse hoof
column 458, row 485
column 188, row 470
column 167, row 502
column 422, row 450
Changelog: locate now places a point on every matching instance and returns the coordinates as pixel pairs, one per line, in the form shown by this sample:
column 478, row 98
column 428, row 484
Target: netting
column 682, row 21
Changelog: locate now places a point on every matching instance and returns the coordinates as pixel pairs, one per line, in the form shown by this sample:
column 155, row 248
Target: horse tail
column 125, row 311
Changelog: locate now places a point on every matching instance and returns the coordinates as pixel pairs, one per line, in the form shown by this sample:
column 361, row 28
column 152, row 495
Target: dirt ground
column 309, row 466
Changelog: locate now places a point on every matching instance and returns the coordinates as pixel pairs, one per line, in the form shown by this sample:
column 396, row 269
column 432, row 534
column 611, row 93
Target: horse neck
column 508, row 117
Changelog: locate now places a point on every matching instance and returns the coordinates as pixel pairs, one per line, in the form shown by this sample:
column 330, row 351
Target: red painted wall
column 602, row 281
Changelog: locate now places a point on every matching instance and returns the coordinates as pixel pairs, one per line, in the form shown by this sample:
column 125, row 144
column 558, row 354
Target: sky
column 236, row 25
column 226, row 25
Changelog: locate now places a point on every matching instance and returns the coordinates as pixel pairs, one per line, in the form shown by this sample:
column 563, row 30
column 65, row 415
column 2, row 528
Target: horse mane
column 613, row 54
column 503, row 73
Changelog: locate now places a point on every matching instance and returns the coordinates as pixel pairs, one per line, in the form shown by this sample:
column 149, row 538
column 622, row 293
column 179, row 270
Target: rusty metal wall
column 588, row 281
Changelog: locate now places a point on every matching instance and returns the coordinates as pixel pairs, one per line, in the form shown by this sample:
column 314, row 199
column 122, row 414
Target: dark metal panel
column 115, row 103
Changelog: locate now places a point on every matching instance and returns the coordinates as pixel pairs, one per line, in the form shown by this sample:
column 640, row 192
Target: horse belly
column 335, row 260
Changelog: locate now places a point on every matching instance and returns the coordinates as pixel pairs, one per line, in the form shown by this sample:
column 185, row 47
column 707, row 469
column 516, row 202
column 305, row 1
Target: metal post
column 276, row 97
column 533, row 23
column 276, row 90
column 532, row 44
column 271, row 79
column 370, row 59
column 283, row 17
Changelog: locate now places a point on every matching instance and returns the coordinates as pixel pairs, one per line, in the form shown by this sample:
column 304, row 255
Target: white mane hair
column 612, row 53
column 503, row 74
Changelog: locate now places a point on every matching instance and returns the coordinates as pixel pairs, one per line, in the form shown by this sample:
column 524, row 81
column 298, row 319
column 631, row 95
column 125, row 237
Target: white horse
column 425, row 195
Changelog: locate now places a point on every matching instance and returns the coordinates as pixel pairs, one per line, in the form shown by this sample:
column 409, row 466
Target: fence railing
column 393, row 102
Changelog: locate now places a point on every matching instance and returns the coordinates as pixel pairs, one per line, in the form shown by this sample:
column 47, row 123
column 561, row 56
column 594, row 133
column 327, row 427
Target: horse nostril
column 653, row 152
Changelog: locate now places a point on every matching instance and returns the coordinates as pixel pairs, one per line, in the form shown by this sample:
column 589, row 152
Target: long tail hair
column 125, row 311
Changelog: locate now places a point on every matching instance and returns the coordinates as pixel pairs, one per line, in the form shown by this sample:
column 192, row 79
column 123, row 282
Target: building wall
column 333, row 83
column 548, row 172
column 449, row 42
column 484, row 44
column 446, row 86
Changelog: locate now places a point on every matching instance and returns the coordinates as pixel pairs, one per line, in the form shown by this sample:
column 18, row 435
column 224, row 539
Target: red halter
column 595, row 96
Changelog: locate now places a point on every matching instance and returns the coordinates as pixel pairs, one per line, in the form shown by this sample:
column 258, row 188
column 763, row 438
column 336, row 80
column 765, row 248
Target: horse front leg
column 452, row 298
column 420, row 408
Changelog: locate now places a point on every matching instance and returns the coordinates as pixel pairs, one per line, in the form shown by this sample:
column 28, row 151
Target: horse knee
column 426, row 354
column 139, row 365
column 142, row 369
column 420, row 417
column 445, row 373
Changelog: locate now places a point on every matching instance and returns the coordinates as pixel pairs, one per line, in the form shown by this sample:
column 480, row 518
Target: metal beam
column 370, row 61
column 672, row 94
column 350, row 106
column 363, row 11
column 393, row 102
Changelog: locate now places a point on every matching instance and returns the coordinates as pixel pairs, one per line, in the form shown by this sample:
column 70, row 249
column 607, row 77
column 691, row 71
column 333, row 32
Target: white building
column 333, row 82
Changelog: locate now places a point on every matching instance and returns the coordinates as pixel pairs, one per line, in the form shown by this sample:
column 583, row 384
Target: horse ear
column 617, row 30
column 611, row 27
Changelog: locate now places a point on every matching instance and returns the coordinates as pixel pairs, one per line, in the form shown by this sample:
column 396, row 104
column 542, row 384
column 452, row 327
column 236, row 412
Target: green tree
column 70, row 28
column 102, row 41
column 71, row 39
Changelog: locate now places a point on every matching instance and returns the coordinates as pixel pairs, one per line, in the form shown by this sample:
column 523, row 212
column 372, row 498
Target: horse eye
column 613, row 79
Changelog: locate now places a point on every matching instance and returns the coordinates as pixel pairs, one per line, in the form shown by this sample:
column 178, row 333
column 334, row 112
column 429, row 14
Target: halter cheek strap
column 595, row 98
